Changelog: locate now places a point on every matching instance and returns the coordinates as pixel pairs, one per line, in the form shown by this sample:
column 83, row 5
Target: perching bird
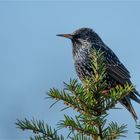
column 83, row 42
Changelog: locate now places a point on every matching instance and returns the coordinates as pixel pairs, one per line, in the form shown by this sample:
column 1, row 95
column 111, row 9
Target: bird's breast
column 81, row 61
column 80, row 55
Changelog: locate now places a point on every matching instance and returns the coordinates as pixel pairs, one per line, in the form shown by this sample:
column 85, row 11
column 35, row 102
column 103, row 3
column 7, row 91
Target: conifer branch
column 80, row 136
column 69, row 100
column 138, row 128
column 91, row 99
column 113, row 131
column 42, row 130
column 75, row 124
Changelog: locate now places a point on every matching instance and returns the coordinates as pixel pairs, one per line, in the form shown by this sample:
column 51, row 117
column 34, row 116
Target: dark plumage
column 83, row 41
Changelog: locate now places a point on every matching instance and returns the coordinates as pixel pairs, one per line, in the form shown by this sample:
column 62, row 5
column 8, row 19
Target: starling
column 83, row 42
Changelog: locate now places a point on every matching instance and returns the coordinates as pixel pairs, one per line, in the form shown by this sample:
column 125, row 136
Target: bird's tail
column 136, row 92
column 133, row 96
column 127, row 104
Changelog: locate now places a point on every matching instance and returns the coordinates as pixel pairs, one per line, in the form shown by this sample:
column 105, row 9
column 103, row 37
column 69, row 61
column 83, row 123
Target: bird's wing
column 115, row 68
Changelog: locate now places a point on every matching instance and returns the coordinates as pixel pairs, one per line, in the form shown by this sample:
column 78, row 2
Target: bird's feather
column 113, row 65
column 127, row 104
column 119, row 74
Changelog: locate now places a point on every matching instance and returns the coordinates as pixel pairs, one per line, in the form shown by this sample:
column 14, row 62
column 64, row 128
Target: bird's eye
column 77, row 36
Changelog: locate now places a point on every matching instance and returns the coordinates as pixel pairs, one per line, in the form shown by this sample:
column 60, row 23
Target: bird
column 84, row 40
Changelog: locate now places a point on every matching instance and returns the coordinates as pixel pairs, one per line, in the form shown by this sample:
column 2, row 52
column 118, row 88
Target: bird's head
column 82, row 37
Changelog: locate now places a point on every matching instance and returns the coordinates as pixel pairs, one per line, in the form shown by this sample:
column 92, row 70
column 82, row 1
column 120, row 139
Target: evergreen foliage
column 92, row 100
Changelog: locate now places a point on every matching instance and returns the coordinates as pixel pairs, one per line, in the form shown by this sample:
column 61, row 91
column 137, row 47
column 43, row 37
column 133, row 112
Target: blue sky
column 33, row 59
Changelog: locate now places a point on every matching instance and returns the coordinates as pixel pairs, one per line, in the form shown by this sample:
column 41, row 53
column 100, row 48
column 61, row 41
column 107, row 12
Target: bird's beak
column 65, row 35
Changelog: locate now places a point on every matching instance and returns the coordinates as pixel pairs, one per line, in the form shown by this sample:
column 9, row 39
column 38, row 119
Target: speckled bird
column 83, row 42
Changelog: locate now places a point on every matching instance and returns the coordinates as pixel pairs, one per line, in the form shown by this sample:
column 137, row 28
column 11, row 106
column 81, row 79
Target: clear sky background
column 33, row 59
